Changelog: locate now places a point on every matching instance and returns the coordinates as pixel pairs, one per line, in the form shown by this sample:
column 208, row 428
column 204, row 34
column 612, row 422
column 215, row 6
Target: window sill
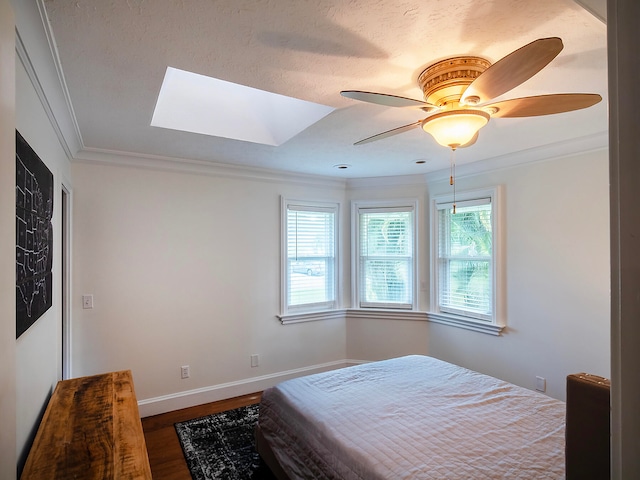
column 290, row 318
column 466, row 323
column 373, row 314
column 386, row 314
column 376, row 314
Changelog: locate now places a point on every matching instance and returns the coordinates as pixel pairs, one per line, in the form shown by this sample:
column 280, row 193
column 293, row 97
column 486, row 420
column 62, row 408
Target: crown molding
column 553, row 151
column 388, row 182
column 43, row 68
column 597, row 8
column 201, row 167
column 23, row 56
column 543, row 153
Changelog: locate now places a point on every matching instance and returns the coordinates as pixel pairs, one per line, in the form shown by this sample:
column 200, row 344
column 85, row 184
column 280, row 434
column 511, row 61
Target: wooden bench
column 90, row 429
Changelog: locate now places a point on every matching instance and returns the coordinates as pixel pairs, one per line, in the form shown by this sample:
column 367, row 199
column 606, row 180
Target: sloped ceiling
column 114, row 53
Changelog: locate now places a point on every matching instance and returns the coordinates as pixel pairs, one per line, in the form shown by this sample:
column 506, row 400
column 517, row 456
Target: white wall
column 557, row 276
column 378, row 339
column 38, row 350
column 375, row 338
column 185, row 270
column 7, row 244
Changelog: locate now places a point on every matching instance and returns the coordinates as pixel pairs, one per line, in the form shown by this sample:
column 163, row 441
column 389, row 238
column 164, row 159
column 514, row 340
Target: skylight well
column 199, row 104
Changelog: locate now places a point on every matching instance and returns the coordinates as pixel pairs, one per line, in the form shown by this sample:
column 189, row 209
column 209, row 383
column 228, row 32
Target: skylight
column 199, row 104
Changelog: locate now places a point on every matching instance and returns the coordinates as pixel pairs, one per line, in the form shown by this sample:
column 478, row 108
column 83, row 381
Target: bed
column 410, row 417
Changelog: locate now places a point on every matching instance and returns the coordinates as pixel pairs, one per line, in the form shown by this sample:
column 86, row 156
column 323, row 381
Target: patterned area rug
column 221, row 446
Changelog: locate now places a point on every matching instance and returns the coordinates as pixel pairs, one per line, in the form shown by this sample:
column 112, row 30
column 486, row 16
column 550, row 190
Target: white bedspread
column 412, row 417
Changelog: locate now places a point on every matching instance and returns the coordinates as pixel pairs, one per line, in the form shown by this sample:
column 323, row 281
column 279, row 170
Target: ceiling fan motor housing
column 444, row 82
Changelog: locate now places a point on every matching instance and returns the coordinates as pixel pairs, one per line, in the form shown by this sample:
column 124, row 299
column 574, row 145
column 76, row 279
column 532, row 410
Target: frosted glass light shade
column 454, row 128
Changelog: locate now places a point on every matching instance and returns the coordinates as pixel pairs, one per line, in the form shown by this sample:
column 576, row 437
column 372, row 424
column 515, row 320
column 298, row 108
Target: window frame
column 310, row 308
column 356, row 274
column 494, row 323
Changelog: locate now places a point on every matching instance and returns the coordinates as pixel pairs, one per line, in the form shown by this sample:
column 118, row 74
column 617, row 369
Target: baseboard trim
column 213, row 393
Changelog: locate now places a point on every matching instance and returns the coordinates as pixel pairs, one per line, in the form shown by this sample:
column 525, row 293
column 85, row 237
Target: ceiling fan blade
column 390, row 133
column 512, row 70
column 543, row 104
column 387, row 100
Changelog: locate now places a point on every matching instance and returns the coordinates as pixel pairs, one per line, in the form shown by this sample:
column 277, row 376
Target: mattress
column 412, row 417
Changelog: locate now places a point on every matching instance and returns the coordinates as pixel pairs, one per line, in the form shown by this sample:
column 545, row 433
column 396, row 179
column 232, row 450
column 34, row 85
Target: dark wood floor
column 165, row 454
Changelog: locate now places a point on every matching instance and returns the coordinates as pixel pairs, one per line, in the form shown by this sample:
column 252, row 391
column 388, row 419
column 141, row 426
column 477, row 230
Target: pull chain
column 452, row 175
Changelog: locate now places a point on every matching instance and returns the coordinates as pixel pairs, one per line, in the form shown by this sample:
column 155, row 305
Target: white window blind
column 310, row 257
column 386, row 257
column 465, row 259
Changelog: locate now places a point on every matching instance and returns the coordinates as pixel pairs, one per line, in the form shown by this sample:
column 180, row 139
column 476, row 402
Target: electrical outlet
column 541, row 384
column 185, row 372
column 87, row 301
column 255, row 360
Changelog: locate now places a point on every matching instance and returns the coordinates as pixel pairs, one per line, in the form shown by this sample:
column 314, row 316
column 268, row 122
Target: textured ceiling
column 114, row 54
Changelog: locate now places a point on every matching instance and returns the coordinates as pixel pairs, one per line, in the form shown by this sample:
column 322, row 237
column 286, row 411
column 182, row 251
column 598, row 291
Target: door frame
column 65, row 276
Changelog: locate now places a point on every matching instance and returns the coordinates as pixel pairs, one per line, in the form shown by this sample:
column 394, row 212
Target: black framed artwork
column 34, row 236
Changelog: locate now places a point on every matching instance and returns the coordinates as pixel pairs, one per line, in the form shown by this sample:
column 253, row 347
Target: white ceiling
column 114, row 54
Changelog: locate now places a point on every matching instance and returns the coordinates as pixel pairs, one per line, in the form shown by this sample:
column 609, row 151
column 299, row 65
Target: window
column 385, row 244
column 465, row 255
column 309, row 253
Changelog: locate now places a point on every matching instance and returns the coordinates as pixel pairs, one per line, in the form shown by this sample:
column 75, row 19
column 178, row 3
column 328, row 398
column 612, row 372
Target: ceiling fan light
column 453, row 128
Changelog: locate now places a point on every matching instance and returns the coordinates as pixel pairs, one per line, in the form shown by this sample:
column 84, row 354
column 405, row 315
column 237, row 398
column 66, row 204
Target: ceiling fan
column 456, row 92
